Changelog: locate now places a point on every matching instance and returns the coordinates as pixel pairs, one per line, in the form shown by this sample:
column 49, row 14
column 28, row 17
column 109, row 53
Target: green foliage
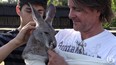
column 114, row 5
column 58, row 2
column 106, row 25
column 63, row 2
column 113, row 22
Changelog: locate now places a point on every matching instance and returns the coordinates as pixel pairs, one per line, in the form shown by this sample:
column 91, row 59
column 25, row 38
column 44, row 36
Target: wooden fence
column 9, row 18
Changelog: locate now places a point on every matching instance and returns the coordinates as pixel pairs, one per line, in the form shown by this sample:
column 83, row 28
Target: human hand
column 24, row 33
column 55, row 59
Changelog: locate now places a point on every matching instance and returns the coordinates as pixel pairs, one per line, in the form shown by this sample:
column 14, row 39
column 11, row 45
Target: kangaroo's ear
column 18, row 10
column 50, row 13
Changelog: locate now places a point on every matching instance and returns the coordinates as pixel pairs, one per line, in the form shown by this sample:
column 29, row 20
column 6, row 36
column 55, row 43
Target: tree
column 114, row 5
column 113, row 23
column 58, row 2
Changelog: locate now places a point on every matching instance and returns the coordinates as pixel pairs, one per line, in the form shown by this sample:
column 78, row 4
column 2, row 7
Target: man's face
column 26, row 15
column 84, row 19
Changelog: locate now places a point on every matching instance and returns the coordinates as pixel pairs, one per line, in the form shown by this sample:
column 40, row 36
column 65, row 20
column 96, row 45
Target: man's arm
column 19, row 40
column 7, row 49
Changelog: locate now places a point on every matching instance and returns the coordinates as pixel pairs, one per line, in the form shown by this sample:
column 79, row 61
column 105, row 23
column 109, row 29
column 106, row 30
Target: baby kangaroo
column 42, row 38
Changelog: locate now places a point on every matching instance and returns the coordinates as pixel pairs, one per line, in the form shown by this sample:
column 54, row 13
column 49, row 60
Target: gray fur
column 42, row 38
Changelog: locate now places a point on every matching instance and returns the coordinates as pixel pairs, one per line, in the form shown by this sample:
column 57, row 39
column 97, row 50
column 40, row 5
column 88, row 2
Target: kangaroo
column 41, row 39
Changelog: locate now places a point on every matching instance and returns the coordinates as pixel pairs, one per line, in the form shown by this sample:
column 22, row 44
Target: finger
column 27, row 29
column 32, row 23
column 51, row 53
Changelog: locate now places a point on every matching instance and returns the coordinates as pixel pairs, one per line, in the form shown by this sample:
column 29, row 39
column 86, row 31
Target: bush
column 112, row 24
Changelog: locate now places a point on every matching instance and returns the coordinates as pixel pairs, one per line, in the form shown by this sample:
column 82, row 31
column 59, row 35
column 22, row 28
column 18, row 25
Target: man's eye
column 28, row 11
column 77, row 9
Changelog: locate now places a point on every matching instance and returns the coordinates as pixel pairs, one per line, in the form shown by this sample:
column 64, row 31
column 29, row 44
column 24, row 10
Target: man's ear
column 18, row 10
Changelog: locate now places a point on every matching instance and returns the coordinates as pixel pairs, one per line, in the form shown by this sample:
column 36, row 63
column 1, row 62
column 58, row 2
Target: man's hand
column 55, row 59
column 24, row 33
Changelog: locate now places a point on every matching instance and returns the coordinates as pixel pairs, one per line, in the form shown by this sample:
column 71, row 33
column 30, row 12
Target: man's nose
column 71, row 14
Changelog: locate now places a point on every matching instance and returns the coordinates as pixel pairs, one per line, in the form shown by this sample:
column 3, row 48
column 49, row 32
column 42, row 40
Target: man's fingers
column 51, row 53
column 29, row 26
column 32, row 23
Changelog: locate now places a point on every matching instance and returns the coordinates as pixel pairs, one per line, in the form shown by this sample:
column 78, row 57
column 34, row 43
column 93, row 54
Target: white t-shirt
column 101, row 46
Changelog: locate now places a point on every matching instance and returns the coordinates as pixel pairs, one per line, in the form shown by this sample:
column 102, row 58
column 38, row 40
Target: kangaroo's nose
column 52, row 45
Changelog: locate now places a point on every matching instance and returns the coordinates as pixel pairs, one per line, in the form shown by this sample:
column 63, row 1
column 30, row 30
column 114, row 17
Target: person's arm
column 55, row 59
column 19, row 40
column 7, row 49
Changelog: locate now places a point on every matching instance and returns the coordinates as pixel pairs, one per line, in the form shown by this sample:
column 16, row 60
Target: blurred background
column 9, row 18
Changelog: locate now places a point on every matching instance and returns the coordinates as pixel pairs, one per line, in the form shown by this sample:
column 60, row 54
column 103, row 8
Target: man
column 24, row 11
column 88, row 37
column 19, row 40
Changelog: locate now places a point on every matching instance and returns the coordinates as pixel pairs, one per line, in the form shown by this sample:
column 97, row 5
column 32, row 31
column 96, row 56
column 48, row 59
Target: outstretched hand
column 24, row 33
